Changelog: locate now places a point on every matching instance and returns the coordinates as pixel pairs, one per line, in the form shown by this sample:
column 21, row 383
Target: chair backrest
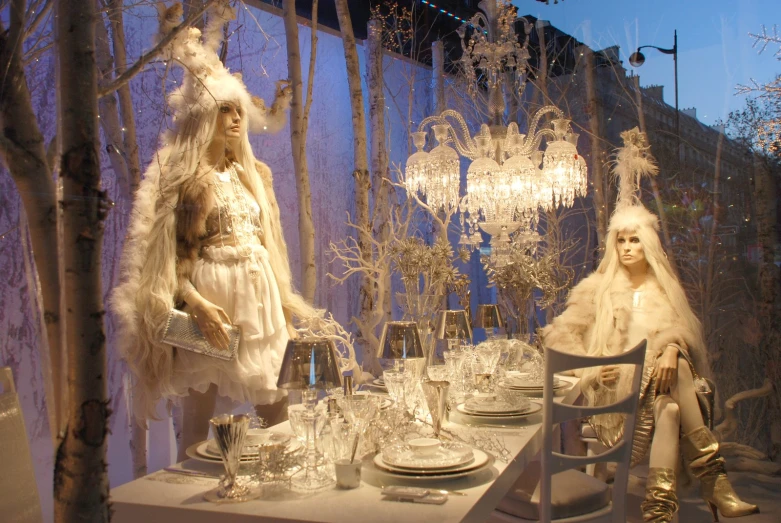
column 556, row 413
column 19, row 499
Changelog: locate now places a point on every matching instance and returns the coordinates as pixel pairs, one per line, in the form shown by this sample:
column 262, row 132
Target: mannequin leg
column 667, row 429
column 701, row 450
column 661, row 502
column 683, row 394
column 273, row 413
column 197, row 410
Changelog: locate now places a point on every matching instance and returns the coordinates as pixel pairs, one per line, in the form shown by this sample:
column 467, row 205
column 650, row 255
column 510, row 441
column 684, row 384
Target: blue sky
column 714, row 50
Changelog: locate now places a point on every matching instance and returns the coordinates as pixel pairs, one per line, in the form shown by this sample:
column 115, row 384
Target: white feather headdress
column 206, row 81
column 633, row 161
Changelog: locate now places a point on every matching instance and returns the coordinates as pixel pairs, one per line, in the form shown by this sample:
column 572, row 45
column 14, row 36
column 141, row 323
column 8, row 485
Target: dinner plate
column 534, row 408
column 385, row 399
column 557, row 385
column 198, row 452
column 493, row 407
column 481, row 462
column 255, row 438
column 517, row 382
column 449, row 455
column 477, row 459
column 379, row 382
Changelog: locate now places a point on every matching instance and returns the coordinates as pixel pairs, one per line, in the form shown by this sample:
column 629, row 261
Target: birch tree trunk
column 126, row 111
column 438, row 95
column 306, row 230
column 23, row 150
column 80, row 480
column 360, row 170
column 597, row 172
column 438, row 75
column 123, row 155
column 380, row 185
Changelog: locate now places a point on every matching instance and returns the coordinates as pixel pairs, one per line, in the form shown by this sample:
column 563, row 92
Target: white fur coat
column 161, row 247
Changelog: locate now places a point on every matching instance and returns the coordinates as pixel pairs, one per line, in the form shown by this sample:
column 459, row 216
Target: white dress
column 239, row 279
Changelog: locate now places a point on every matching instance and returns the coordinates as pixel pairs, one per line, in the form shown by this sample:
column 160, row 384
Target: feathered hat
column 633, row 161
column 206, row 81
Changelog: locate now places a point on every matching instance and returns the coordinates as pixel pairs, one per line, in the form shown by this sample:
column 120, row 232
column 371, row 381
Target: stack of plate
column 521, row 383
column 498, row 410
column 452, row 460
column 379, row 382
column 207, row 450
column 384, row 400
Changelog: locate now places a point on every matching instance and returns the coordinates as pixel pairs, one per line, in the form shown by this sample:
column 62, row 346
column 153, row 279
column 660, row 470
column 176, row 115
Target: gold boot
column 660, row 503
column 701, row 449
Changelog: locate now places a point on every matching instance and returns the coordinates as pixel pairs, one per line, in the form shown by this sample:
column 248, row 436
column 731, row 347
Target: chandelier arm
column 534, row 145
column 467, row 147
column 480, row 17
column 542, row 112
column 428, row 120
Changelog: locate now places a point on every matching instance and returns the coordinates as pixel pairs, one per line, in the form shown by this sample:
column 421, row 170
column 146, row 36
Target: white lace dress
column 233, row 272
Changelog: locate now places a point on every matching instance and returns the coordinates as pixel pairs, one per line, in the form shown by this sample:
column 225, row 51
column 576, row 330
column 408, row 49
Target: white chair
column 19, row 499
column 555, row 491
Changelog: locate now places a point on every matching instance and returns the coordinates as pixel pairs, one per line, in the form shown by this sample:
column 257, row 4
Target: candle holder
column 229, row 433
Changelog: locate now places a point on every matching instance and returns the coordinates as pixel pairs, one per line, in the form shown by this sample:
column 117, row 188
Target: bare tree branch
column 152, row 53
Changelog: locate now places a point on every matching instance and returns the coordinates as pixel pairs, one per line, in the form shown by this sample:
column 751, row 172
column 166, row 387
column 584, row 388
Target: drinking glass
column 307, row 424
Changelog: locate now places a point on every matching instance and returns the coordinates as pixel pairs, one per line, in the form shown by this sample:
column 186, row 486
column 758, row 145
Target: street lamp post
column 637, row 59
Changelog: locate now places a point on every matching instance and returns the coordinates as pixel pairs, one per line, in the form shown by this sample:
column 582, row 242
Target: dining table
column 171, row 496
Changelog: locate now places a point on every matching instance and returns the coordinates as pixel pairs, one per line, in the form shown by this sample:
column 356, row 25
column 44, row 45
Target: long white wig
column 633, row 162
column 149, row 283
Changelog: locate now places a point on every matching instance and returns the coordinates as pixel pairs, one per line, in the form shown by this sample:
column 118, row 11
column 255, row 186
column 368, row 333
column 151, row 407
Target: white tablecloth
column 170, row 498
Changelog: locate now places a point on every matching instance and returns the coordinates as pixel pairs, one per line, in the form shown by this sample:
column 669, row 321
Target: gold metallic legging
column 674, row 413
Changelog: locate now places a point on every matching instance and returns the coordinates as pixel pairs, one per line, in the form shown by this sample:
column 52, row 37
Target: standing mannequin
column 634, row 295
column 205, row 236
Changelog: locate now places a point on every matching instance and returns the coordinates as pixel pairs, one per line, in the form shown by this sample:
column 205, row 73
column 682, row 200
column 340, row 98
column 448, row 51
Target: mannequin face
column 630, row 250
column 228, row 123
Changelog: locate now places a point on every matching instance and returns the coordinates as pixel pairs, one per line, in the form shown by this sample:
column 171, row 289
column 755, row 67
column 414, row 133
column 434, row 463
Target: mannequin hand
column 291, row 331
column 609, row 374
column 210, row 319
column 666, row 370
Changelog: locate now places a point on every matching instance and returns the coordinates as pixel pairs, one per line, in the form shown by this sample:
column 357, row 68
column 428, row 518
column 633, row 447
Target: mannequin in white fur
column 635, row 295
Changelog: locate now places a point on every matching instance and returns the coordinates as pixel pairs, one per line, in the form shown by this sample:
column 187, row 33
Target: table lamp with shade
column 453, row 326
column 488, row 317
column 400, row 340
column 310, row 364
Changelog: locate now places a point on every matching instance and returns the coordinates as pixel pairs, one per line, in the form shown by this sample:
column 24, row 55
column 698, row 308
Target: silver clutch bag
column 182, row 332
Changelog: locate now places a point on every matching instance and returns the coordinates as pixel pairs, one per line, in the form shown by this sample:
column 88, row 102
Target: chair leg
column 590, row 452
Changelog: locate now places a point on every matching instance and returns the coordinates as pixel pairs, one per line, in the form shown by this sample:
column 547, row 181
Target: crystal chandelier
column 510, row 178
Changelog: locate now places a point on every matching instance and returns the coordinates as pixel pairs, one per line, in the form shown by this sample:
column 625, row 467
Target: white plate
column 480, row 463
column 385, row 399
column 255, row 438
column 518, row 382
column 534, row 408
column 537, row 388
column 449, row 455
column 198, row 452
column 492, row 407
column 379, row 382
